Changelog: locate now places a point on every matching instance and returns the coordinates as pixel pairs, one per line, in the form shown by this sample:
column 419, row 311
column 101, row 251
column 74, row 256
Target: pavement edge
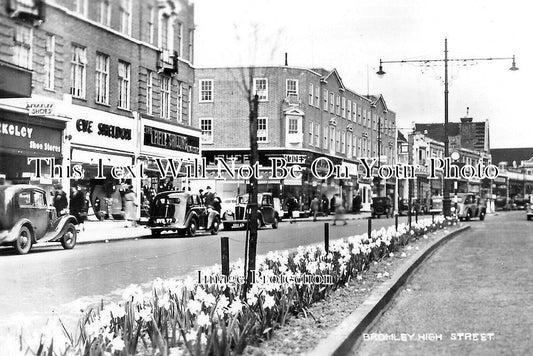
column 345, row 336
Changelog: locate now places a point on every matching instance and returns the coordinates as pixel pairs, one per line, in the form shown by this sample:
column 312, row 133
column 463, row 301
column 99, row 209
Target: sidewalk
column 114, row 230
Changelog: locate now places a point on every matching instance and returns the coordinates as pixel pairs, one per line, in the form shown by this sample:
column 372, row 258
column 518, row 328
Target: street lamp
column 446, row 201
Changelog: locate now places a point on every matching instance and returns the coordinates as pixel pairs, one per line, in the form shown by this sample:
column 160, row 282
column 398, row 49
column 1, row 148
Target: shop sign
column 295, row 159
column 102, row 129
column 155, row 137
column 40, row 109
column 30, row 139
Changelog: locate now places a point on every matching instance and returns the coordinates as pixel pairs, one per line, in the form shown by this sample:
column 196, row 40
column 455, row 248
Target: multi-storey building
column 104, row 80
column 516, row 172
column 303, row 114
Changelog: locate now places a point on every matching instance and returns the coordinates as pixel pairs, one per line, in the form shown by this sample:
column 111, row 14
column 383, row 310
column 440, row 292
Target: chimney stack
column 286, row 60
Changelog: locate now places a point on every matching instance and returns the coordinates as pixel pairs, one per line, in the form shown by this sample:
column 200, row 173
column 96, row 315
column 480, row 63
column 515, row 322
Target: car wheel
column 482, row 216
column 227, row 226
column 156, row 233
column 68, row 240
column 192, row 228
column 468, row 215
column 23, row 243
column 275, row 223
column 215, row 226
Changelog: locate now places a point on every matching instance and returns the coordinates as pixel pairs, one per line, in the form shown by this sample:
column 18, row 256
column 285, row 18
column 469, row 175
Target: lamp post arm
column 449, row 60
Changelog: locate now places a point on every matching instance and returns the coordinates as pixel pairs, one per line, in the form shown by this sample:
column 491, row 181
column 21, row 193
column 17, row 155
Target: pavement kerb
column 341, row 340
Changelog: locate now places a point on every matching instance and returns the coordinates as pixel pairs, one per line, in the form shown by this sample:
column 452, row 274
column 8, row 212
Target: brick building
column 303, row 114
column 107, row 77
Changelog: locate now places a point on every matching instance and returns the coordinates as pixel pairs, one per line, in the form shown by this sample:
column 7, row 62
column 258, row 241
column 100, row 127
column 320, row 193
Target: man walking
column 60, row 199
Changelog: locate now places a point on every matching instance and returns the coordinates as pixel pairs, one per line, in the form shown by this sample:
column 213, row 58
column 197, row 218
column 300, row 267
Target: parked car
column 26, row 219
column 529, row 211
column 471, row 206
column 520, row 203
column 267, row 214
column 381, row 206
column 502, row 203
column 183, row 213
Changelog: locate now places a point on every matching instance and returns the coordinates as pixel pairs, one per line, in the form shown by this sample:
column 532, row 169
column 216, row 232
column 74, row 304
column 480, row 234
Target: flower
column 133, row 293
column 114, row 310
column 203, row 319
column 269, row 301
column 403, row 254
column 236, row 307
column 194, row 306
column 117, row 344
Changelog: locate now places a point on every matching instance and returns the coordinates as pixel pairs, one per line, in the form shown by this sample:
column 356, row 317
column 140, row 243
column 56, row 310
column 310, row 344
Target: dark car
column 267, row 214
column 502, row 203
column 26, row 219
column 529, row 210
column 183, row 213
column 471, row 206
column 381, row 206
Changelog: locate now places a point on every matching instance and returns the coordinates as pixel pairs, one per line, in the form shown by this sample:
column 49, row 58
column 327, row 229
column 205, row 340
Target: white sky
column 352, row 35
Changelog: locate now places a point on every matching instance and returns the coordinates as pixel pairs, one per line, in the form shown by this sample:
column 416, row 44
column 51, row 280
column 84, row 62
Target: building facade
column 303, row 114
column 111, row 86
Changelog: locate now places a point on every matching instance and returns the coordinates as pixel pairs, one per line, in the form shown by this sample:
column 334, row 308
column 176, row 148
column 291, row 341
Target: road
column 479, row 282
column 51, row 279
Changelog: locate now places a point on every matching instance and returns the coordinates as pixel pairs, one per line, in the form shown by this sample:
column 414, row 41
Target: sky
column 353, row 35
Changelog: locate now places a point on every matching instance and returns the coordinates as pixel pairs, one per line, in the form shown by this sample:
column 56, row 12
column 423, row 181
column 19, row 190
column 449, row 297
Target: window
column 49, row 62
column 332, row 103
column 325, row 98
column 125, row 17
column 349, row 110
column 24, row 199
column 262, row 129
column 124, row 85
column 261, row 88
column 165, row 97
column 191, row 41
column 293, row 125
column 343, row 107
column 78, row 72
column 149, row 92
column 343, row 142
column 81, row 7
column 291, row 87
column 151, row 31
column 102, row 79
column 22, row 54
column 206, row 90
column 311, row 133
column 349, row 144
column 180, row 39
column 189, row 105
column 164, row 27
column 317, row 135
column 354, row 112
column 39, row 200
column 206, row 125
column 180, row 102
column 317, row 96
column 332, row 137
column 311, row 94
column 326, row 138
column 104, row 17
column 338, row 105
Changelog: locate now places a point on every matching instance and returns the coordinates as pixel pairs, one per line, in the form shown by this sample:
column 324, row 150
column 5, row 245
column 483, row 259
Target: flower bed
column 184, row 317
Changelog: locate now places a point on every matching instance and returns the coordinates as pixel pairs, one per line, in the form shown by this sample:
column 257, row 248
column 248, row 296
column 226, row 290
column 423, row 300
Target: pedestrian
column 209, row 198
column 325, row 209
column 292, row 205
column 357, row 203
column 60, row 201
column 332, row 203
column 217, row 203
column 130, row 205
column 339, row 210
column 315, row 206
column 77, row 205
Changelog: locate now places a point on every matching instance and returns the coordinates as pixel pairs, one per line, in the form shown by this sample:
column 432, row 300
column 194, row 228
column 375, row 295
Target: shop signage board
column 30, row 139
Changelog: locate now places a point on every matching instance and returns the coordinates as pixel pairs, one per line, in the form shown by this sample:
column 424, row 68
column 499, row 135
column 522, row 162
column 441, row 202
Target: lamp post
column 446, row 201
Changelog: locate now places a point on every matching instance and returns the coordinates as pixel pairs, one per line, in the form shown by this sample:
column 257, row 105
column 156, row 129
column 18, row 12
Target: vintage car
column 181, row 212
column 470, row 206
column 266, row 212
column 26, row 219
column 381, row 206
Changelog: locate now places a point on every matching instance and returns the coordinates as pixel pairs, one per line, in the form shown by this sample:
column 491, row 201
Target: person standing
column 60, row 199
column 339, row 210
column 292, row 205
column 77, row 203
column 315, row 205
column 209, row 198
column 130, row 205
column 357, row 203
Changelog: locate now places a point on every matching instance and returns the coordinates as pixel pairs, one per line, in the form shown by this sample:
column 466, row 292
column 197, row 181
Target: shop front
column 170, row 156
column 24, row 138
column 99, row 143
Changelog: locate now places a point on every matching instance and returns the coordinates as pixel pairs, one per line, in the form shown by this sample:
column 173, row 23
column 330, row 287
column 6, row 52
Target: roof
column 436, row 130
column 511, row 154
column 401, row 137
